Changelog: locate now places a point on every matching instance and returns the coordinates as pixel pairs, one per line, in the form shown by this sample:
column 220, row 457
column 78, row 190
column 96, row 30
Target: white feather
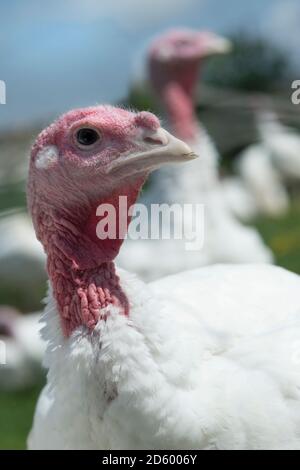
column 239, row 198
column 263, row 181
column 283, row 144
column 265, row 168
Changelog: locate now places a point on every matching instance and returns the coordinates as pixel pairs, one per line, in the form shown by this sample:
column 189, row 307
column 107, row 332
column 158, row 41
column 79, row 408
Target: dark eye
column 183, row 42
column 87, row 136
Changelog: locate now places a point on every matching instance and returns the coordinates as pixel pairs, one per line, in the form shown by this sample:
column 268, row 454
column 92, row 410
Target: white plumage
column 282, row 142
column 209, row 360
column 24, row 349
column 259, row 187
column 238, row 198
column 265, row 169
column 22, row 260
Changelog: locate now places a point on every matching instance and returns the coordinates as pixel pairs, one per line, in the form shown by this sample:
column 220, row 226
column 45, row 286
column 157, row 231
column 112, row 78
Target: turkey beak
column 217, row 45
column 221, row 45
column 160, row 148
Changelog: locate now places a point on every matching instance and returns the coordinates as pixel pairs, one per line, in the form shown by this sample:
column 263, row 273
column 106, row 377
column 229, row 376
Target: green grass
column 16, row 413
column 25, row 301
column 12, row 196
column 283, row 237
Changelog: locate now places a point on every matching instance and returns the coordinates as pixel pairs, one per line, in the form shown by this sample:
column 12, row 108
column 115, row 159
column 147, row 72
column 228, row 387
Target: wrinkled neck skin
column 80, row 265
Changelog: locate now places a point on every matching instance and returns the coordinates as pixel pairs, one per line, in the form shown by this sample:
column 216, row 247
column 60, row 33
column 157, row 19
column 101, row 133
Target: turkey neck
column 80, row 265
column 175, row 85
column 84, row 296
column 188, row 180
column 180, row 112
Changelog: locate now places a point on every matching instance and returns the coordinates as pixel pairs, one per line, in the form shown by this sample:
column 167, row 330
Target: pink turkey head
column 176, row 56
column 88, row 157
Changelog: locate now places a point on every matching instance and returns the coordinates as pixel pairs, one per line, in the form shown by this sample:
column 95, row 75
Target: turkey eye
column 183, row 42
column 86, row 137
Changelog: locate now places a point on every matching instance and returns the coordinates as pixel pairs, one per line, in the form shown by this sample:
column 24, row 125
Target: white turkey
column 283, row 144
column 205, row 359
column 239, row 198
column 22, row 349
column 259, row 188
column 266, row 168
column 22, row 261
column 174, row 61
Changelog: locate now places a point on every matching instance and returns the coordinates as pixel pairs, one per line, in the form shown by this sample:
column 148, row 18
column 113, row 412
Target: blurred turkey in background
column 24, row 349
column 70, row 54
column 174, row 60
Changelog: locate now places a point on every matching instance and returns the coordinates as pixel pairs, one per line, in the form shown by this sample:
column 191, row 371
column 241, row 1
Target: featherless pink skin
column 68, row 180
column 174, row 65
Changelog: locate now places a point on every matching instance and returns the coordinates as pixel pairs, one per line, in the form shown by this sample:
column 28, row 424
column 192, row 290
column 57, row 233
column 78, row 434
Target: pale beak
column 219, row 45
column 161, row 148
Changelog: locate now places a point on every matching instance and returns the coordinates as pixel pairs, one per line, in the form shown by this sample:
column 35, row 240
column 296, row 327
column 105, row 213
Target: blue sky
column 65, row 53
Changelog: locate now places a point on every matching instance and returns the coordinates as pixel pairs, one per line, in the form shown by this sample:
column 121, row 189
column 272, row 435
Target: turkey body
column 283, row 143
column 266, row 169
column 176, row 373
column 238, row 198
column 261, row 183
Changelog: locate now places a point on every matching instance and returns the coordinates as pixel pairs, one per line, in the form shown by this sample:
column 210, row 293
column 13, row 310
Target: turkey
column 174, row 60
column 22, row 261
column 23, row 349
column 268, row 167
column 258, row 189
column 204, row 359
column 282, row 142
column 239, row 198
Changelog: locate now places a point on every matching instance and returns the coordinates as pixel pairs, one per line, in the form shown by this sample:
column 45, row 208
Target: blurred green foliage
column 254, row 64
column 141, row 98
column 16, row 411
column 283, row 237
column 21, row 299
column 12, row 196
